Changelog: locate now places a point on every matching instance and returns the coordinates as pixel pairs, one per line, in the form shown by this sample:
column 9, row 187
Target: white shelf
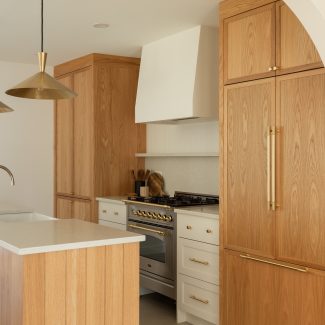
column 177, row 154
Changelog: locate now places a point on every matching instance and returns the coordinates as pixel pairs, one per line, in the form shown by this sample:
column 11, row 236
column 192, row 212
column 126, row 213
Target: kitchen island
column 68, row 272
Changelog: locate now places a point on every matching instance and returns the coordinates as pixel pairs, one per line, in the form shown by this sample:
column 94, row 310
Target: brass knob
column 275, row 68
column 189, row 227
column 209, row 231
column 104, row 211
column 115, row 213
column 164, row 217
column 135, row 212
column 169, row 218
column 154, row 216
column 159, row 216
column 270, row 69
column 144, row 214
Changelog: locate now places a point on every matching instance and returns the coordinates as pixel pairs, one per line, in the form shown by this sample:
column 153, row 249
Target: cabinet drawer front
column 198, row 228
column 198, row 260
column 198, row 298
column 114, row 225
column 112, row 212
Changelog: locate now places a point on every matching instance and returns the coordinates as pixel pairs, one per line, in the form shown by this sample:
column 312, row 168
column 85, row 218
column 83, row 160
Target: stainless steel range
column 155, row 218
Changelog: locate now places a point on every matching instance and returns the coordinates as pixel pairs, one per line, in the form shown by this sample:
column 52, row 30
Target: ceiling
column 69, row 32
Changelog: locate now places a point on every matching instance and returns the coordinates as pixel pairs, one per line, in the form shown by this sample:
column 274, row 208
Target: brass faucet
column 9, row 173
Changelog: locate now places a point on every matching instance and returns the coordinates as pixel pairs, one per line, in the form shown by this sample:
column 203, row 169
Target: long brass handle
column 273, row 184
column 192, row 259
column 257, row 259
column 161, row 233
column 200, row 300
column 268, row 168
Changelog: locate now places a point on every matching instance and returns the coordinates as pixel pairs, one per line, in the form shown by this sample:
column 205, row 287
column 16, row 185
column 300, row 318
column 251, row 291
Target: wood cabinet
column 260, row 293
column 96, row 137
column 301, row 168
column 295, row 49
column 68, row 208
column 272, row 212
column 250, row 44
column 264, row 42
column 248, row 116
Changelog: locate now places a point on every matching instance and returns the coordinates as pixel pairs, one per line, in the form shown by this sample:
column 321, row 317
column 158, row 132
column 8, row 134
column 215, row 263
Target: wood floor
column 158, row 310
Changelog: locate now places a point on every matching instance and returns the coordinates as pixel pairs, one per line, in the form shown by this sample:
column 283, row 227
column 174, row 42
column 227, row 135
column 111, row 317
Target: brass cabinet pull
column 262, row 260
column 209, row 231
column 104, row 211
column 192, row 259
column 161, row 233
column 115, row 213
column 273, row 170
column 270, row 168
column 189, row 227
column 203, row 301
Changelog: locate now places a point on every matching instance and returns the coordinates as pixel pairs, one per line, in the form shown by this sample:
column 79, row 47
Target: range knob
column 144, row 214
column 169, row 219
column 149, row 214
column 134, row 212
column 159, row 216
column 164, row 217
column 138, row 213
column 154, row 216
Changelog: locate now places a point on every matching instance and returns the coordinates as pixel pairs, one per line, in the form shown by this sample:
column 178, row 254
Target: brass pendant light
column 4, row 108
column 41, row 85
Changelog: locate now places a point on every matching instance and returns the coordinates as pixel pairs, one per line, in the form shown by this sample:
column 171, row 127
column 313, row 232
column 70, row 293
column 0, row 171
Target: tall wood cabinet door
column 64, row 208
column 82, row 210
column 301, row 168
column 249, row 114
column 64, row 141
column 249, row 292
column 295, row 49
column 83, row 133
column 249, row 45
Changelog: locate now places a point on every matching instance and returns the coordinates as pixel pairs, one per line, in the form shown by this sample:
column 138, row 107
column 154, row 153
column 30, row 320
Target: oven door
column 157, row 252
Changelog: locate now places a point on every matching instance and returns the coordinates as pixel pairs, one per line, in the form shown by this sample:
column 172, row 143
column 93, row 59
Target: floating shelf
column 177, row 154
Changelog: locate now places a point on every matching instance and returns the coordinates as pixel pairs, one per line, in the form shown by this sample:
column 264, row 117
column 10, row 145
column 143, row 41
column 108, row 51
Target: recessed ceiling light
column 101, row 25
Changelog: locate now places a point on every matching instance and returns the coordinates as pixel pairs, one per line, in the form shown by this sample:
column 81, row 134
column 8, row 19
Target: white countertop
column 208, row 211
column 25, row 238
column 112, row 199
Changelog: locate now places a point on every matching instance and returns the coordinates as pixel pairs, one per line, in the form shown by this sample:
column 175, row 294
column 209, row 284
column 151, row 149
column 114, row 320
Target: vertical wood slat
column 11, row 304
column 76, row 287
column 131, row 277
column 55, row 288
column 95, row 286
column 34, row 290
column 114, row 285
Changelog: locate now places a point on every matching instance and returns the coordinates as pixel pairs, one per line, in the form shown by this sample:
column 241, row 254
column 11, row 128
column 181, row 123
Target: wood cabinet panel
column 249, row 45
column 248, row 115
column 82, row 210
column 64, row 208
column 295, row 49
column 64, row 141
column 301, row 169
column 259, row 293
column 83, row 133
column 250, row 288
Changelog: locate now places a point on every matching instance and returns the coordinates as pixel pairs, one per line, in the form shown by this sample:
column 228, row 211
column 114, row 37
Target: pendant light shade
column 4, row 108
column 41, row 85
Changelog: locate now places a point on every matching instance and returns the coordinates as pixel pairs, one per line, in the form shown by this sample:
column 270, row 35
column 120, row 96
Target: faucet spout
column 7, row 170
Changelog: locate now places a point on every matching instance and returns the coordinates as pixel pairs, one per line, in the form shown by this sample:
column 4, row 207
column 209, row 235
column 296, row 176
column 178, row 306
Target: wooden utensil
column 141, row 174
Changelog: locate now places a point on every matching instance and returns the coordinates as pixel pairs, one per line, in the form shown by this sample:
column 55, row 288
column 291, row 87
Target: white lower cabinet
column 112, row 213
column 197, row 269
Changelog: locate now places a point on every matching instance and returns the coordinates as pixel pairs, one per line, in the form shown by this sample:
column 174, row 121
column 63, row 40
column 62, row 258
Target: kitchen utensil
column 147, row 175
column 144, row 191
column 133, row 174
column 141, row 174
column 156, row 185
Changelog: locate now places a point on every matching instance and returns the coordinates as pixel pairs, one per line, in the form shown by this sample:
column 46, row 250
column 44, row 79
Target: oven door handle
column 161, row 233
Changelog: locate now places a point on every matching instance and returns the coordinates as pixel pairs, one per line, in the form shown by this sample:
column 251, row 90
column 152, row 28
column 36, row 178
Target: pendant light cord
column 42, row 26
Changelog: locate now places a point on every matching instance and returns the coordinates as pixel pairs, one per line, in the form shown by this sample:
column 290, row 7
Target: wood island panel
column 84, row 286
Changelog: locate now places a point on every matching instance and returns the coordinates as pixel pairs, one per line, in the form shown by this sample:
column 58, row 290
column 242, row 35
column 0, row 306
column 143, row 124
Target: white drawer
column 198, row 260
column 112, row 212
column 198, row 228
column 198, row 298
column 112, row 224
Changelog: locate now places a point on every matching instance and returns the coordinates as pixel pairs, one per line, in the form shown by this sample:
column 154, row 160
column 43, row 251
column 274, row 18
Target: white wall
column 26, row 144
column 196, row 174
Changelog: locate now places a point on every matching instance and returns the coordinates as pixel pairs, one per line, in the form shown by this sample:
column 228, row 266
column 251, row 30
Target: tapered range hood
column 178, row 78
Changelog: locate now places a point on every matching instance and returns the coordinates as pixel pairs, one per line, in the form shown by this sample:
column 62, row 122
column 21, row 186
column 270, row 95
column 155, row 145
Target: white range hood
column 178, row 78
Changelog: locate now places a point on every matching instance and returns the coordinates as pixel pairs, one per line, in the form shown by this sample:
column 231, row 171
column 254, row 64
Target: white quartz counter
column 25, row 238
column 113, row 199
column 208, row 211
